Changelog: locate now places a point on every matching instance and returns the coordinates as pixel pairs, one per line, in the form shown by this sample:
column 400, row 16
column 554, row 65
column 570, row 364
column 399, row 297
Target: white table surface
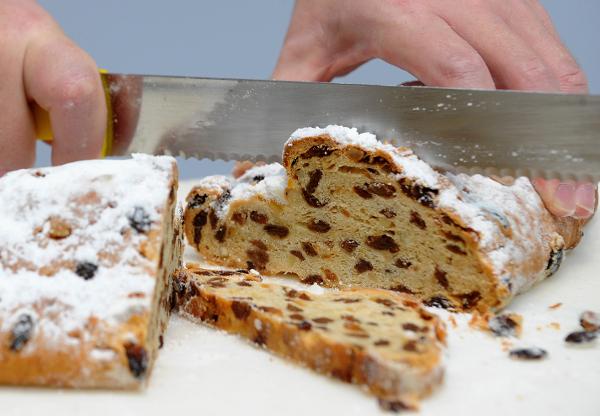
column 203, row 371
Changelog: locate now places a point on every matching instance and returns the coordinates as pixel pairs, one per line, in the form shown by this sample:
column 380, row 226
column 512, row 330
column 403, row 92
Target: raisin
column 349, row 245
column 258, row 178
column 290, row 293
column 363, row 266
column 424, row 195
column 381, row 343
column 580, row 337
column 312, row 200
column 329, row 275
column 270, row 309
column 439, row 302
column 362, row 192
column 312, row 279
column 199, row 222
column 304, row 296
column 259, row 244
column 453, row 237
column 469, row 300
column 137, row 358
column 402, row 289
column 347, row 300
column 220, row 234
column 386, row 302
column 294, row 308
column 416, row 219
column 241, row 310
column 258, row 217
column 313, row 182
column 456, row 249
column 139, row 220
column 304, row 326
column 383, row 190
column 388, row 213
column 86, row 270
column 410, row 346
column 317, row 151
column 318, row 226
column 388, row 313
column 554, row 262
column 309, row 249
column 528, row 353
column 197, row 200
column 402, row 264
column 212, row 218
column 297, row 317
column 244, row 283
column 239, row 218
column 161, row 342
column 21, row 332
column 258, row 258
column 382, row 242
column 503, row 326
column 298, row 254
column 409, row 326
column 277, row 230
column 322, row 320
column 442, row 278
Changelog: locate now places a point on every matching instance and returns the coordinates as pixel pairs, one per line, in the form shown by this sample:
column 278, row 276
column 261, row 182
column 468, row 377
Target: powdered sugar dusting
column 96, row 200
column 410, row 164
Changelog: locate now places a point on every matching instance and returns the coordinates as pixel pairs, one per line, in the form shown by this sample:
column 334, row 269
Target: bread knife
column 505, row 133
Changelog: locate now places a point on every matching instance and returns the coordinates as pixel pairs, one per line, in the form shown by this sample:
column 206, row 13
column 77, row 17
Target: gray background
column 241, row 39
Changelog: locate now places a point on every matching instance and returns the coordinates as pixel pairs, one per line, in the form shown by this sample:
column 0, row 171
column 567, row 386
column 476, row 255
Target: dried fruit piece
column 439, row 302
column 137, row 358
column 277, row 230
column 533, row 353
column 197, row 201
column 199, row 222
column 313, row 279
column 581, row 337
column 362, row 266
column 402, row 264
column 21, row 332
column 349, row 245
column 362, row 191
column 442, row 278
column 318, row 226
column 309, row 249
column 86, row 270
column 59, row 228
column 382, row 242
column 258, row 217
column 505, row 325
column 139, row 220
column 417, row 220
column 388, row 213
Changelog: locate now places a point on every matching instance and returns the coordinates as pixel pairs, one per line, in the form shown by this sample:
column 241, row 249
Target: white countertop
column 203, row 371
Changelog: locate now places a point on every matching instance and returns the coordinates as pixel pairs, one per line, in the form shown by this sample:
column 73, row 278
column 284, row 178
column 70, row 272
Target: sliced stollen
column 87, row 252
column 379, row 339
column 346, row 210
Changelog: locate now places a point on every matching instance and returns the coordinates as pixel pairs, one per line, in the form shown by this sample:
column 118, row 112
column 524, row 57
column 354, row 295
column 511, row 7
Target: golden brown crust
column 246, row 305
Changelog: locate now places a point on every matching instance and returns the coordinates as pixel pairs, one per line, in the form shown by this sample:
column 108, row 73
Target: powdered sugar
column 95, row 199
column 410, row 164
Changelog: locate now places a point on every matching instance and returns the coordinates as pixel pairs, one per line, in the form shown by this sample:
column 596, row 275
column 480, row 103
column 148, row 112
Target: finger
column 559, row 197
column 64, row 80
column 531, row 25
column 513, row 63
column 436, row 56
column 585, row 200
column 17, row 138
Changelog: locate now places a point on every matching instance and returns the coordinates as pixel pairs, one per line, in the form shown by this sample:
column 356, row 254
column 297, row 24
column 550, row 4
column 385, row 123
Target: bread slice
column 379, row 339
column 345, row 210
column 87, row 251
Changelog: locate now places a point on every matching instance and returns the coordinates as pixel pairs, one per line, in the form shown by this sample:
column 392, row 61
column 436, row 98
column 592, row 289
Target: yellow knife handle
column 43, row 127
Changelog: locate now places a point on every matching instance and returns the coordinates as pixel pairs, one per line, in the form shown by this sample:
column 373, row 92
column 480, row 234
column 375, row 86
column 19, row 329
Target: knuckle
column 572, row 77
column 75, row 92
column 461, row 67
column 534, row 70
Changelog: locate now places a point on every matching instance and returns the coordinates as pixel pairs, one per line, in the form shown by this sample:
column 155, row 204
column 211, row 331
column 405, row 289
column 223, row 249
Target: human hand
column 40, row 64
column 504, row 44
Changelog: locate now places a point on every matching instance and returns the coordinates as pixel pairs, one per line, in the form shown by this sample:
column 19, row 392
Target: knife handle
column 43, row 127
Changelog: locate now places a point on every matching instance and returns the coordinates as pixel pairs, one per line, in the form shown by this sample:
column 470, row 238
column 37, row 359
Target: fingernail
column 564, row 200
column 585, row 200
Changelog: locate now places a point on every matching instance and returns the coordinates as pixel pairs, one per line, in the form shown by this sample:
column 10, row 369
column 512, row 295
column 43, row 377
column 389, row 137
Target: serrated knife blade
column 506, row 133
